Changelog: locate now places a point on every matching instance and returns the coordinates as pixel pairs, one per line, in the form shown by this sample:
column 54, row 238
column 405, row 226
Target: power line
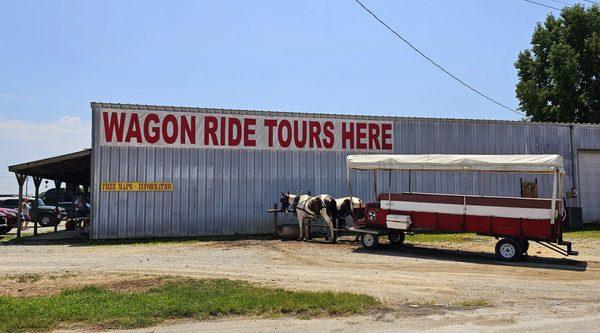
column 561, row 2
column 543, row 5
column 436, row 64
column 594, row 2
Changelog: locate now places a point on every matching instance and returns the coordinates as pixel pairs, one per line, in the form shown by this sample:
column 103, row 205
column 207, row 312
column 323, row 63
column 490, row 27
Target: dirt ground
column 440, row 287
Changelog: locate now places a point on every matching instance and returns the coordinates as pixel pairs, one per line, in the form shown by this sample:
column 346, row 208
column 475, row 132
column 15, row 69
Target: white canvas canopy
column 438, row 162
column 548, row 164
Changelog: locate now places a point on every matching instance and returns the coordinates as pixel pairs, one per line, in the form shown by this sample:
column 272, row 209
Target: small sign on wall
column 136, row 187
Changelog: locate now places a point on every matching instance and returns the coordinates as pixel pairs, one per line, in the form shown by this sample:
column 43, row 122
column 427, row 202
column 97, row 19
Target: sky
column 300, row 56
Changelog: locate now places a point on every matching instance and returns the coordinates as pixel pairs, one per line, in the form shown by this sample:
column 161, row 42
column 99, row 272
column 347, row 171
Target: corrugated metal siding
column 589, row 175
column 227, row 192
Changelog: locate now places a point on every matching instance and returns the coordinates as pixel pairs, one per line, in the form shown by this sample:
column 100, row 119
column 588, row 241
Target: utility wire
column 561, row 2
column 594, row 2
column 543, row 5
column 436, row 64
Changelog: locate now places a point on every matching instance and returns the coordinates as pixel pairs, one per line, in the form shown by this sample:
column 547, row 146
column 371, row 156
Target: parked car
column 8, row 220
column 47, row 213
column 66, row 205
column 49, row 196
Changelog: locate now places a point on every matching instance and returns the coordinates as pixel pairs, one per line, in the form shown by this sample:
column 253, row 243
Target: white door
column 589, row 184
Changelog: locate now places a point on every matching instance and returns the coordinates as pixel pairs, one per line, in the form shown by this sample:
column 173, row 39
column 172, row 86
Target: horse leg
column 329, row 222
column 300, row 226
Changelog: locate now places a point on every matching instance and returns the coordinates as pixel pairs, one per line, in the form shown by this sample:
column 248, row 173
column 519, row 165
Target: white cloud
column 22, row 141
column 6, row 96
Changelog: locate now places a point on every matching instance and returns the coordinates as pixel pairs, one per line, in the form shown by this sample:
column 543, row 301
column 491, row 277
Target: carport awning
column 73, row 168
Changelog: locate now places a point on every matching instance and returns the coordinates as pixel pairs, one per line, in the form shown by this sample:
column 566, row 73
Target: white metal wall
column 589, row 180
column 227, row 192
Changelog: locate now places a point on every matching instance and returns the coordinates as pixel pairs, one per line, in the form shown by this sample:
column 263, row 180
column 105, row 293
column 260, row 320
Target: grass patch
column 445, row 237
column 180, row 298
column 472, row 303
column 589, row 232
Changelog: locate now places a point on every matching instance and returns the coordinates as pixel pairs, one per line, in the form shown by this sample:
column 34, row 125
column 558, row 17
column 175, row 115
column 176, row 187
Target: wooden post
column 37, row 181
column 21, row 180
column 57, row 185
column 71, row 193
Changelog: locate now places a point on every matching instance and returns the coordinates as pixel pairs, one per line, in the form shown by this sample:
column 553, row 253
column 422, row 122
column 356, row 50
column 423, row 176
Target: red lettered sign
column 200, row 130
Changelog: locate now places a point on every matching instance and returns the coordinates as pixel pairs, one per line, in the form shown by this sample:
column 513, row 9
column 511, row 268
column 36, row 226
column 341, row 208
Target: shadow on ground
column 415, row 251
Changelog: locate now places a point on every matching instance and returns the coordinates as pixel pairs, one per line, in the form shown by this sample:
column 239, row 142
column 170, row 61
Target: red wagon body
column 440, row 213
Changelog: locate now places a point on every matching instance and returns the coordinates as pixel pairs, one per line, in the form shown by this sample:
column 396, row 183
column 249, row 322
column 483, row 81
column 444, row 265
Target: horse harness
column 303, row 206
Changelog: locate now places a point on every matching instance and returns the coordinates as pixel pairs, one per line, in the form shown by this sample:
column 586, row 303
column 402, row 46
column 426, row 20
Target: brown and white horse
column 308, row 207
column 345, row 206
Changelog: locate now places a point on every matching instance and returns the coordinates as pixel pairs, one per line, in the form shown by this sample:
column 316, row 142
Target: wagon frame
column 514, row 221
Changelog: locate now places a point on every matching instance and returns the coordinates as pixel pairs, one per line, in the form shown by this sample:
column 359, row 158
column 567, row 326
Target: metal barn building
column 159, row 171
column 225, row 188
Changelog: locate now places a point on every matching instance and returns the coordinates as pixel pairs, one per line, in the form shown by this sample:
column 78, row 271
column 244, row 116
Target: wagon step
column 556, row 248
column 568, row 245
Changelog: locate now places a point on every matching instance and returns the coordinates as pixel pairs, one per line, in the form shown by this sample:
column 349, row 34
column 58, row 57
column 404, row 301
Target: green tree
column 559, row 77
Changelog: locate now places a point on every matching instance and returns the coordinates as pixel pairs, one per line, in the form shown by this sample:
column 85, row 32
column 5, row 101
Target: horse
column 308, row 207
column 344, row 205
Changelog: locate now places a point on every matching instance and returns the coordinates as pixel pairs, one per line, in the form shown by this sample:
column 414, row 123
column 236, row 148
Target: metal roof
column 73, row 168
column 322, row 115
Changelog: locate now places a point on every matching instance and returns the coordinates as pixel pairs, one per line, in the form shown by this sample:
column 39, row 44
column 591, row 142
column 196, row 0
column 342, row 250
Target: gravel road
column 430, row 283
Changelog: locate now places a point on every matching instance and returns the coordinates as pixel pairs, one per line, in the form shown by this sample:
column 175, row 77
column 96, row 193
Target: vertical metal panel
column 589, row 173
column 585, row 137
column 226, row 192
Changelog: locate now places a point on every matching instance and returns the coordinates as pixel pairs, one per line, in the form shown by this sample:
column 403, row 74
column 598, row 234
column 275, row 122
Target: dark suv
column 47, row 217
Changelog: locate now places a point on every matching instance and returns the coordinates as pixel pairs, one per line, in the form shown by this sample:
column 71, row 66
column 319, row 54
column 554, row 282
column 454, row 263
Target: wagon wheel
column 509, row 249
column 396, row 237
column 524, row 245
column 370, row 241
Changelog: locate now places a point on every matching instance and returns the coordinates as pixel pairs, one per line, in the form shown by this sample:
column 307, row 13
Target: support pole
column 57, row 185
column 389, row 189
column 465, row 193
column 350, row 189
column 37, row 181
column 20, row 180
column 561, row 194
column 554, row 194
column 71, row 193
